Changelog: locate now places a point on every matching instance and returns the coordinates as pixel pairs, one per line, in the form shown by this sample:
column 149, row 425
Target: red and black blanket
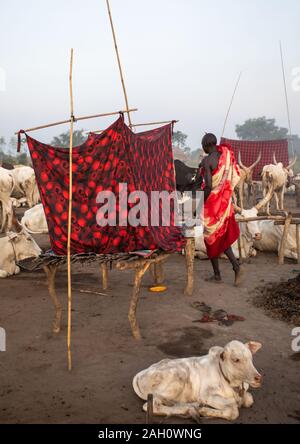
column 103, row 163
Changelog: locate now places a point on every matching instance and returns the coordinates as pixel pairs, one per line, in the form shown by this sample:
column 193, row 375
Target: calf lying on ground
column 16, row 246
column 215, row 385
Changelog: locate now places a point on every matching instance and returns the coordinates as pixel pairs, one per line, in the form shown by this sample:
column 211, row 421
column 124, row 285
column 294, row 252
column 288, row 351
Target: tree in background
column 63, row 140
column 261, row 128
column 179, row 139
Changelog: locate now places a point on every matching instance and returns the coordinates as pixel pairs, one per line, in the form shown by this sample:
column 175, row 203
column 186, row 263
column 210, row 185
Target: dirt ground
column 37, row 388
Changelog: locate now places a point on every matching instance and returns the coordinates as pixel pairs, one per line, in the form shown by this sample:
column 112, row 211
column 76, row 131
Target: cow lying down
column 215, row 385
column 16, row 246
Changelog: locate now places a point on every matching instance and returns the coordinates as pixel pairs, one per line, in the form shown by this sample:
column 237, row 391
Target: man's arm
column 208, row 180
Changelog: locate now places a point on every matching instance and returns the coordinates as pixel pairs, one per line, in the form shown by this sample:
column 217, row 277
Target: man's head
column 209, row 142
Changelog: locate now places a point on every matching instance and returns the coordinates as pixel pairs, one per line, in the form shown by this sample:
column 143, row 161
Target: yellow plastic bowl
column 158, row 289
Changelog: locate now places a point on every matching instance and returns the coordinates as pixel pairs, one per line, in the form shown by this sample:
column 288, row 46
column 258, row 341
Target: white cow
column 277, row 177
column 34, row 220
column 25, row 185
column 246, row 174
column 6, row 188
column 271, row 236
column 14, row 247
column 215, row 385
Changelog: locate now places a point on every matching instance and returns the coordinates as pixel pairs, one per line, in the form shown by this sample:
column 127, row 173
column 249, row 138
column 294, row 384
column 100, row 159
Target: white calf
column 34, row 220
column 215, row 385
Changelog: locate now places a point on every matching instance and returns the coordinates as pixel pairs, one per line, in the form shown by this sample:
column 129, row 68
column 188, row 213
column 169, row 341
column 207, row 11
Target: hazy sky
column 181, row 60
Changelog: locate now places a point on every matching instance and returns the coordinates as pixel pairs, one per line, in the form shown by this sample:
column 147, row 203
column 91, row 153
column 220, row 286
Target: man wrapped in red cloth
column 220, row 176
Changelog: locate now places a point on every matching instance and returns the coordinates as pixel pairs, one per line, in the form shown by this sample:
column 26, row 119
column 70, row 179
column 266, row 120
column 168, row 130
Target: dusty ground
column 36, row 387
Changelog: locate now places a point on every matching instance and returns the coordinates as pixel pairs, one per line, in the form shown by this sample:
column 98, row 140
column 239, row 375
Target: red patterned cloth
column 116, row 156
column 220, row 227
column 250, row 151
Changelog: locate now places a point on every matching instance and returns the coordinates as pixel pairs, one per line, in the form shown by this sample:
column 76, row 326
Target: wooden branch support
column 154, row 123
column 284, row 238
column 50, row 271
column 104, row 271
column 190, row 260
column 298, row 242
column 240, row 249
column 158, row 273
column 139, row 273
column 149, row 413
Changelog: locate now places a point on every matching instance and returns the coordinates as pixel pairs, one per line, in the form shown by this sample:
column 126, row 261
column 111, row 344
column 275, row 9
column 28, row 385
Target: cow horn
column 240, row 161
column 293, row 162
column 274, row 159
column 257, row 162
column 265, row 200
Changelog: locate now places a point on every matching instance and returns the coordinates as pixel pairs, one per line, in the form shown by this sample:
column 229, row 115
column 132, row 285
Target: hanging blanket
column 220, row 227
column 250, row 151
column 117, row 156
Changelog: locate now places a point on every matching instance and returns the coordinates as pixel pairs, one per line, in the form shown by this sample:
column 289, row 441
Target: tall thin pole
column 119, row 61
column 231, row 102
column 286, row 95
column 70, row 214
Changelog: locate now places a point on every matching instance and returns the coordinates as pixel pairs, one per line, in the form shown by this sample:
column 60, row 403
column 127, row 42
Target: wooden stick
column 50, row 271
column 254, row 219
column 119, row 61
column 139, row 273
column 70, row 214
column 141, row 124
column 155, row 123
column 231, row 102
column 76, row 119
column 286, row 94
column 298, row 242
column 284, row 239
column 240, row 249
column 104, row 270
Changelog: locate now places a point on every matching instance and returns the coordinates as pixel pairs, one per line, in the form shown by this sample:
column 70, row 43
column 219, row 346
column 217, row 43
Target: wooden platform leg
column 298, row 242
column 139, row 273
column 190, row 259
column 158, row 273
column 284, row 238
column 104, row 270
column 50, row 271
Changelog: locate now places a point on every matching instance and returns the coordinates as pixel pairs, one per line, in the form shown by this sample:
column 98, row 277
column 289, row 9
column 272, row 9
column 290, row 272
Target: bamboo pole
column 119, row 62
column 141, row 124
column 61, row 122
column 231, row 102
column 254, row 219
column 70, row 214
column 286, row 94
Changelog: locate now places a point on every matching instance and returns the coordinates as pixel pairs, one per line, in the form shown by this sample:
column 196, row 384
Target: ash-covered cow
column 271, row 236
column 277, row 177
column 215, row 385
column 25, row 185
column 246, row 179
column 6, row 187
column 16, row 246
column 34, row 220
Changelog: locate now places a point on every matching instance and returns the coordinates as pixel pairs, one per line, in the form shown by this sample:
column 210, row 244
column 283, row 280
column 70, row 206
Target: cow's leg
column 282, row 199
column 218, row 407
column 242, row 195
column 50, row 271
column 247, row 400
column 276, row 201
column 190, row 260
column 163, row 407
column 3, row 274
column 139, row 273
column 17, row 270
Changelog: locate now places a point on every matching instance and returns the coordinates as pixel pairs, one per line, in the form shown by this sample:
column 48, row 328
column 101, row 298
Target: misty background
column 181, row 60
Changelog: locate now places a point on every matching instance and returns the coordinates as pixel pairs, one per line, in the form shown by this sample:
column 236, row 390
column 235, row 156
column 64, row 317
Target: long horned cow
column 246, row 178
column 276, row 177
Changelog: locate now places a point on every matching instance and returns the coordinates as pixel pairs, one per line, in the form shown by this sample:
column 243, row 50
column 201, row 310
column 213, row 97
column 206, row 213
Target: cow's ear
column 254, row 347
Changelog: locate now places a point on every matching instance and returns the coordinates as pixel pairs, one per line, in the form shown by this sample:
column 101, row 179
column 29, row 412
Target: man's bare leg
column 217, row 274
column 238, row 271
